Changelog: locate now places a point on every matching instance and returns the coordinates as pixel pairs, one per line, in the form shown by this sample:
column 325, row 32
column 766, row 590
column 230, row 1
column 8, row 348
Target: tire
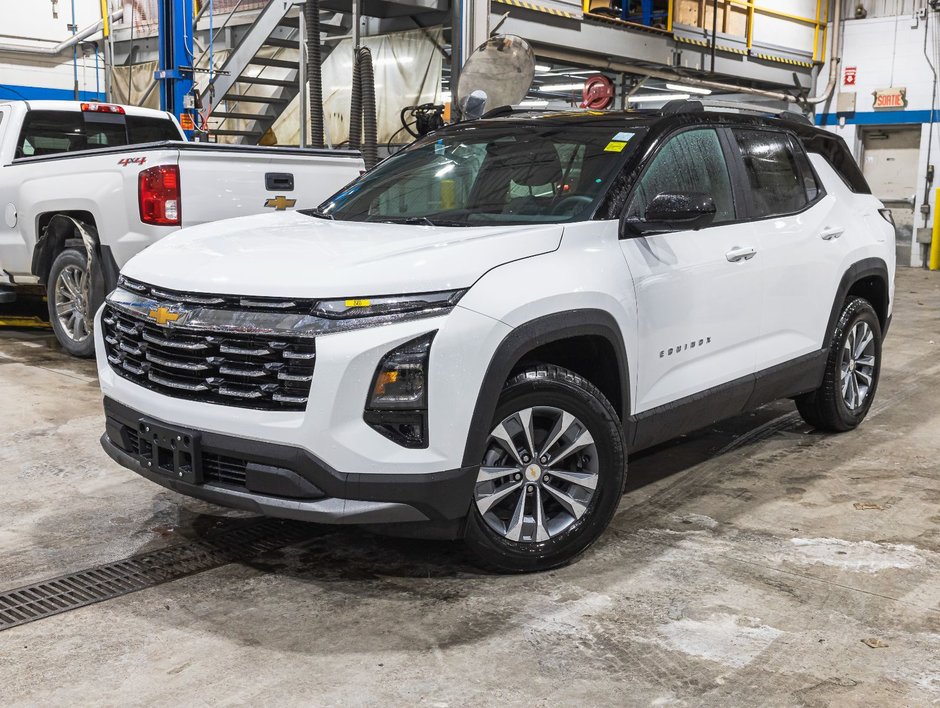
column 67, row 306
column 852, row 371
column 514, row 530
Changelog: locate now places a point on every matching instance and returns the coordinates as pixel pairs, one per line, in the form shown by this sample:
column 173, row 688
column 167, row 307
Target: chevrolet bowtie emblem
column 280, row 202
column 163, row 315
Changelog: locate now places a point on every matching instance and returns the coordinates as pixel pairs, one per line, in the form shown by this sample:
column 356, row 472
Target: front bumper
column 289, row 482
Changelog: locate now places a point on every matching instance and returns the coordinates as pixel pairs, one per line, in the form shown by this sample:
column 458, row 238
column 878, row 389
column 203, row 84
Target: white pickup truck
column 86, row 186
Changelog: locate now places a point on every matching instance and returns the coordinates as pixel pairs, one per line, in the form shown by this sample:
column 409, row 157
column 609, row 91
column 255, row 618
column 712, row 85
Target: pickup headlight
column 398, row 399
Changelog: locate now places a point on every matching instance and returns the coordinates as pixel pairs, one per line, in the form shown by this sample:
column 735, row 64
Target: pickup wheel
column 852, row 371
column 68, row 303
column 552, row 474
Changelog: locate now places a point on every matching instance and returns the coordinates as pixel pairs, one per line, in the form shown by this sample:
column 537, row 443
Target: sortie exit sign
column 890, row 98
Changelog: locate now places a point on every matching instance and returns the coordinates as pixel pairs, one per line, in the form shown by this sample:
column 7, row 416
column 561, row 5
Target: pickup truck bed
column 105, row 204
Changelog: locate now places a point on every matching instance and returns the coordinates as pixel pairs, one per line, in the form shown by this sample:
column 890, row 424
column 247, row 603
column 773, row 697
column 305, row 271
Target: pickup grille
column 248, row 371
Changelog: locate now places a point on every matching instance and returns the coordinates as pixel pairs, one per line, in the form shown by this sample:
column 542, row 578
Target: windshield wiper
column 317, row 212
column 424, row 220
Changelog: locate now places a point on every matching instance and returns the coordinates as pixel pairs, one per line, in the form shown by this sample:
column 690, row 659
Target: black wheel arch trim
column 525, row 338
column 865, row 268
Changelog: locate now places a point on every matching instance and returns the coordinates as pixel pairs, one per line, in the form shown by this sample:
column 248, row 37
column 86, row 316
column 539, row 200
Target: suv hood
column 293, row 255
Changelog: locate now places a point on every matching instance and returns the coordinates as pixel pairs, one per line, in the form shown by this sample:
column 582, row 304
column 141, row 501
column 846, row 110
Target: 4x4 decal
column 132, row 161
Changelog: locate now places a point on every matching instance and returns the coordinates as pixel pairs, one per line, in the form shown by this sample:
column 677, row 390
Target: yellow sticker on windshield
column 615, row 146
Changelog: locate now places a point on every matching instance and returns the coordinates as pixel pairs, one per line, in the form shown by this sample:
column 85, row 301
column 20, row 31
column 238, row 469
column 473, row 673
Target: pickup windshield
column 480, row 175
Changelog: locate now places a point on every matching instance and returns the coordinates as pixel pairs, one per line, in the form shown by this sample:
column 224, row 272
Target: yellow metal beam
column 106, row 19
column 934, row 263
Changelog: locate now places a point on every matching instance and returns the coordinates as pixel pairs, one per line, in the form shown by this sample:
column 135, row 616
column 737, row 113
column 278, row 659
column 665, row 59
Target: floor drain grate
column 85, row 587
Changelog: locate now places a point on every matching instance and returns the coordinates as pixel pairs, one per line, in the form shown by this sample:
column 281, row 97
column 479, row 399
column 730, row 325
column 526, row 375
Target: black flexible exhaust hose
column 370, row 152
column 314, row 73
column 355, row 108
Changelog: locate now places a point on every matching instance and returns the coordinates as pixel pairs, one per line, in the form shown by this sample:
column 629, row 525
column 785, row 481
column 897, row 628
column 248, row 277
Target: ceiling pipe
column 835, row 58
column 61, row 46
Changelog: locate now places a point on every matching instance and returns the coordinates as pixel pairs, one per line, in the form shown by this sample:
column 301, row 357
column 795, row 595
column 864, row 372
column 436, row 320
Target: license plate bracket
column 174, row 452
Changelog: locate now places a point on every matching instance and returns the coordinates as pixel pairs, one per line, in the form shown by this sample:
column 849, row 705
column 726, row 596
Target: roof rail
column 755, row 109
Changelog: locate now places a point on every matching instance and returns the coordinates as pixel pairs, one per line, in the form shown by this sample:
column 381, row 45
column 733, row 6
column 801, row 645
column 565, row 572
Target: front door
column 698, row 292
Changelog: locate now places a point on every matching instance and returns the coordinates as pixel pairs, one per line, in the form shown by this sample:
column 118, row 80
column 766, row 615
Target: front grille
column 249, row 371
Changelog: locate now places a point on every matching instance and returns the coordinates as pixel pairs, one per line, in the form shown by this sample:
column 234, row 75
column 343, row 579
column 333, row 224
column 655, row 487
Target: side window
column 810, row 185
column 691, row 161
column 776, row 181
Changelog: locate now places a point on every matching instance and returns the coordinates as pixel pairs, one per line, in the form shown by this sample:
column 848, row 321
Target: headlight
column 430, row 303
column 398, row 399
column 275, row 316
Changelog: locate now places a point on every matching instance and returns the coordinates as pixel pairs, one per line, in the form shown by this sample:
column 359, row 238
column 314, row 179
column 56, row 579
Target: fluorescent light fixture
column 534, row 103
column 560, row 88
column 542, row 68
column 689, row 89
column 658, row 97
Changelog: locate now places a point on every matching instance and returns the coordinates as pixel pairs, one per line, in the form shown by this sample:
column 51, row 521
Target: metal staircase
column 261, row 76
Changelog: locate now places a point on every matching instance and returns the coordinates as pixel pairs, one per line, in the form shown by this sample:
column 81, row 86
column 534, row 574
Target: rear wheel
column 73, row 295
column 852, row 371
column 552, row 473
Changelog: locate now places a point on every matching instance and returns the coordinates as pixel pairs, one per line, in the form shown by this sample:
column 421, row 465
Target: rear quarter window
column 834, row 151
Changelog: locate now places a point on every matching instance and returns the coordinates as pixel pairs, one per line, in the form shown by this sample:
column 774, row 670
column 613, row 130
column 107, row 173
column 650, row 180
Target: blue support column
column 174, row 71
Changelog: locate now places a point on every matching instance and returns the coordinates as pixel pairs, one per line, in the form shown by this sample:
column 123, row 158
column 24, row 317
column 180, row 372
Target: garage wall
column 886, row 52
column 33, row 24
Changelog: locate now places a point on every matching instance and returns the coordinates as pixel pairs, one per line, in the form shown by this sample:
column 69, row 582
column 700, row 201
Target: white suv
column 474, row 334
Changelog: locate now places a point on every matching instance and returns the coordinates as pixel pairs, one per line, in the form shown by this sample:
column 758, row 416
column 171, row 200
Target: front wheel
column 552, row 474
column 73, row 295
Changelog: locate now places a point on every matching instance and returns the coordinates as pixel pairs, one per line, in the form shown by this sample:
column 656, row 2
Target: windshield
column 476, row 175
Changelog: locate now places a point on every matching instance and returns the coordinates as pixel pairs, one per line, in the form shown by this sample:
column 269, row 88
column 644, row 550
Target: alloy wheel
column 858, row 365
column 71, row 302
column 539, row 474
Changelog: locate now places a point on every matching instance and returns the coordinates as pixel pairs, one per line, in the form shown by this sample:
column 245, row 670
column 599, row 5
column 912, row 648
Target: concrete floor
column 738, row 571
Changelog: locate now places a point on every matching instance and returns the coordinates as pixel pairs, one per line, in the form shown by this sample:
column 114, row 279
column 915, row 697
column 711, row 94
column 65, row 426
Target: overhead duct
column 61, row 46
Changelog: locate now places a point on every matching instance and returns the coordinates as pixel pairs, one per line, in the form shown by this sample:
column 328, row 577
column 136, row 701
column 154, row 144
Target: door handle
column 828, row 234
column 741, row 253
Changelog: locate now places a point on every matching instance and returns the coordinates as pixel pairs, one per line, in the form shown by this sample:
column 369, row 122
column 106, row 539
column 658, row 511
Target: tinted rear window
column 54, row 132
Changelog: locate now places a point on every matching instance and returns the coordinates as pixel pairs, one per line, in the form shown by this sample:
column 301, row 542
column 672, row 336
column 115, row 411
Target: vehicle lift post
column 175, row 68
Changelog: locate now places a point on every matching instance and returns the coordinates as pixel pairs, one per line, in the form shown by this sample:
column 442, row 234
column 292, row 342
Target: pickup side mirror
column 672, row 211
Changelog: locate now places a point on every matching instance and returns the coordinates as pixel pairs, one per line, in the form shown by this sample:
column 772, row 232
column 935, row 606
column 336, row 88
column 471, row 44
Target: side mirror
column 673, row 211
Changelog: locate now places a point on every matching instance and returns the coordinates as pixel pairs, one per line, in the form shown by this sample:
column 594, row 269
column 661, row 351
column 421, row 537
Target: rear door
column 800, row 230
column 698, row 292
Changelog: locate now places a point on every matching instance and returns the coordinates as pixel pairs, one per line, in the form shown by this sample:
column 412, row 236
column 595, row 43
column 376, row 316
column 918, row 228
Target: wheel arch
column 53, row 230
column 555, row 336
column 867, row 278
